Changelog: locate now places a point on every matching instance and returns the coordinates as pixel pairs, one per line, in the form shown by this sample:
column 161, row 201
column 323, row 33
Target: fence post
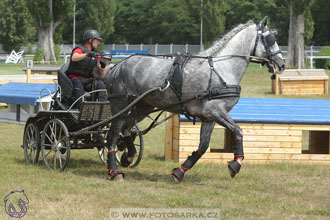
column 156, row 49
column 141, row 47
column 29, row 65
column 126, row 47
column 311, row 57
column 186, row 48
column 171, row 48
column 113, row 46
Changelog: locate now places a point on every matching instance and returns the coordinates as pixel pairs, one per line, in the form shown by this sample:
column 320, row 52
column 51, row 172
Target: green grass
column 271, row 191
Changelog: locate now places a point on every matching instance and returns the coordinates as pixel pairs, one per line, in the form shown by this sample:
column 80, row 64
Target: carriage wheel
column 138, row 143
column 55, row 145
column 31, row 143
column 103, row 152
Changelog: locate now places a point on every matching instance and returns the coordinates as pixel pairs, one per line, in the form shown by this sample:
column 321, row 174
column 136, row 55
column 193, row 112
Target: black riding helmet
column 91, row 34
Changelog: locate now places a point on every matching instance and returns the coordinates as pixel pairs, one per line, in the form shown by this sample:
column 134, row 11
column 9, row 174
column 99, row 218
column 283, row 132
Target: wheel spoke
column 52, row 131
column 60, row 135
column 48, row 153
column 49, row 138
column 54, row 158
column 29, row 155
column 60, row 155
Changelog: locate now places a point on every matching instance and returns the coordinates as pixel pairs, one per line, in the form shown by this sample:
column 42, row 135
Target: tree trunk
column 296, row 44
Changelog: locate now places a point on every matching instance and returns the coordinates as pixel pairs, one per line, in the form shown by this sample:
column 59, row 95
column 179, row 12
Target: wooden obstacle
column 301, row 82
column 45, row 69
column 275, row 130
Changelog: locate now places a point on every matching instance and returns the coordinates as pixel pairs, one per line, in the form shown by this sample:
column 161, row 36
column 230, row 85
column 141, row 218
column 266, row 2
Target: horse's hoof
column 233, row 168
column 177, row 175
column 115, row 175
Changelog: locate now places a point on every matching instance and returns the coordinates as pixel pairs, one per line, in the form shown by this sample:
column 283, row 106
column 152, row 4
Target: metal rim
column 55, row 145
column 31, row 143
column 139, row 145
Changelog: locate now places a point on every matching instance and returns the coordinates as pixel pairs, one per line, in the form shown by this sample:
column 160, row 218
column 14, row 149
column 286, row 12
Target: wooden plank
column 175, row 132
column 189, row 142
column 188, row 130
column 224, row 161
column 168, row 138
column 273, row 138
column 189, row 136
column 260, row 132
column 272, row 144
column 285, row 126
column 272, row 150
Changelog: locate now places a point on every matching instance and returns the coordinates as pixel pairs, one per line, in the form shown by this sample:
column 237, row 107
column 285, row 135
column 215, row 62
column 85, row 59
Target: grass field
column 273, row 191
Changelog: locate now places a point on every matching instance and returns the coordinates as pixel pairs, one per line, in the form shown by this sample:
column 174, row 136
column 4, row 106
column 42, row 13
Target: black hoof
column 233, row 167
column 177, row 175
column 126, row 160
column 115, row 174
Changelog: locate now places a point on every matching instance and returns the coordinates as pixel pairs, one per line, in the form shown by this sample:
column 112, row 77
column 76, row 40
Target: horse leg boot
column 234, row 166
column 127, row 158
column 113, row 172
column 205, row 136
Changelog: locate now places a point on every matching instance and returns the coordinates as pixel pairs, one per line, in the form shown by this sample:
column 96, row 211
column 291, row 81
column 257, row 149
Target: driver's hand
column 91, row 54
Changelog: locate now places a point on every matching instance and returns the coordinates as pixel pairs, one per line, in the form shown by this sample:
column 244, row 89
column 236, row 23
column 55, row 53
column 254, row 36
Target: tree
column 320, row 10
column 296, row 43
column 15, row 26
column 48, row 15
column 214, row 20
column 276, row 10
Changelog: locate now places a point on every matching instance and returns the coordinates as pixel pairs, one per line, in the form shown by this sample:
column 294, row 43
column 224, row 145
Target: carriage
column 54, row 133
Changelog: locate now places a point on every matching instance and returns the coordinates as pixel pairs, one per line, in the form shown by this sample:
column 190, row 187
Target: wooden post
column 168, row 137
column 277, row 84
column 29, row 64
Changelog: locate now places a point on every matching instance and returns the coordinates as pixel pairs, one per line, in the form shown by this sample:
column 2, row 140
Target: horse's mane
column 224, row 39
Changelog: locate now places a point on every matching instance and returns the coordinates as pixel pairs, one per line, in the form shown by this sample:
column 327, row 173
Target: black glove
column 102, row 64
column 91, row 54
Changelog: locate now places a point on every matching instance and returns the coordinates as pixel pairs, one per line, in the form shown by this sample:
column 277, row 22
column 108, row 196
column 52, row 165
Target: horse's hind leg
column 205, row 136
column 127, row 158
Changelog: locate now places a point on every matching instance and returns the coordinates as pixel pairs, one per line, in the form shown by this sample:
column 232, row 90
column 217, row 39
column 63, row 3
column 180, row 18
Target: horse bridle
column 268, row 40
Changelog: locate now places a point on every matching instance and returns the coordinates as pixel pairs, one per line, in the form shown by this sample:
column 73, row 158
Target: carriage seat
column 65, row 82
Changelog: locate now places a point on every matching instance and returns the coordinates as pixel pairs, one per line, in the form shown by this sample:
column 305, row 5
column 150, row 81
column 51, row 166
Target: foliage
column 320, row 11
column 15, row 26
column 57, row 51
column 323, row 63
column 299, row 6
column 40, row 11
column 309, row 26
column 277, row 12
column 91, row 14
column 38, row 55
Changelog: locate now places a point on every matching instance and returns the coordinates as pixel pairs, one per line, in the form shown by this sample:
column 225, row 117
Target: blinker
column 270, row 39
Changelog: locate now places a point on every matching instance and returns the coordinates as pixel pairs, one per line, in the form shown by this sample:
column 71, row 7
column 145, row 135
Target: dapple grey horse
column 221, row 66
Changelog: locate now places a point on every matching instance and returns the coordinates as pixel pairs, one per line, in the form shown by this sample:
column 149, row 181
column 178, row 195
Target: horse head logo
column 16, row 204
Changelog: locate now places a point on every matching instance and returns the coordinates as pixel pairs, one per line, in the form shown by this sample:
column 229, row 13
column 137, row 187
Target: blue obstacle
column 280, row 111
column 22, row 94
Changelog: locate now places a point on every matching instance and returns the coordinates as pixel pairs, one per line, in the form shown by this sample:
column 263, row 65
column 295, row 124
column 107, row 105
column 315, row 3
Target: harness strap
column 222, row 82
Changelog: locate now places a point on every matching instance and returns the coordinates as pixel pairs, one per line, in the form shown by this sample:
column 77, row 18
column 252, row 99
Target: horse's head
column 266, row 47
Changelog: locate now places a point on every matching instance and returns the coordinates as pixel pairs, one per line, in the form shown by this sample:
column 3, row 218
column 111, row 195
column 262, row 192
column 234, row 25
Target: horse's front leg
column 205, row 136
column 225, row 120
column 113, row 172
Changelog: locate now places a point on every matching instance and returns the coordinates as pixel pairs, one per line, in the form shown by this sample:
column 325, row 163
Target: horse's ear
column 263, row 22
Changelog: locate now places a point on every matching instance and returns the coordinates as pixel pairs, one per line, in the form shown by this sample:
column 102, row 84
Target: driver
column 85, row 68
